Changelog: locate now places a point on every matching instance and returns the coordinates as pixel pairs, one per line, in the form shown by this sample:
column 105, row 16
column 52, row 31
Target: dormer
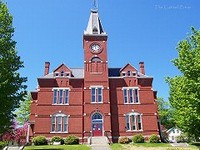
column 128, row 71
column 62, row 71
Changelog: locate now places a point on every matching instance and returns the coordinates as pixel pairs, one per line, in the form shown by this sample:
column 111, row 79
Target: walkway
column 100, row 143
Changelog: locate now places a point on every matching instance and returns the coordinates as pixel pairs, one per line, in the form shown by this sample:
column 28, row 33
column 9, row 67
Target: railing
column 107, row 136
column 90, row 138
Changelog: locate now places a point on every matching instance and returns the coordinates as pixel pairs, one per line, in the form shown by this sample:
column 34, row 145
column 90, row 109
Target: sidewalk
column 100, row 147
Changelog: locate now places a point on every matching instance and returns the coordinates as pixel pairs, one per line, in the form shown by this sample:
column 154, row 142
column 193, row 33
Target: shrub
column 138, row 138
column 57, row 139
column 71, row 140
column 124, row 140
column 154, row 139
column 39, row 140
column 196, row 143
column 181, row 139
column 3, row 144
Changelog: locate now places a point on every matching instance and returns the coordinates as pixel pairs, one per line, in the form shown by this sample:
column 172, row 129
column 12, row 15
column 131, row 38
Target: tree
column 185, row 88
column 23, row 113
column 12, row 88
column 165, row 113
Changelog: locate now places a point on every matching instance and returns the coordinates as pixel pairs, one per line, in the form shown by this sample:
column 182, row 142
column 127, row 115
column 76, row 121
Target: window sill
column 134, row 130
column 60, row 104
column 96, row 102
column 59, row 132
column 132, row 103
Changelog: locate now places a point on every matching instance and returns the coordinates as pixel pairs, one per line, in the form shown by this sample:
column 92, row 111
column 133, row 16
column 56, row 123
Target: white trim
column 61, row 88
column 96, row 86
column 130, row 87
column 133, row 95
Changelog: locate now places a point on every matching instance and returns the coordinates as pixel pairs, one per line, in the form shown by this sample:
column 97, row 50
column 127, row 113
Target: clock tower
column 96, row 82
column 95, row 49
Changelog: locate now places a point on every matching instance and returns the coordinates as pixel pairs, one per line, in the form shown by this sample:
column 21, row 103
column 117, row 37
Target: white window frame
column 96, row 93
column 136, row 124
column 58, row 96
column 128, row 95
column 62, row 123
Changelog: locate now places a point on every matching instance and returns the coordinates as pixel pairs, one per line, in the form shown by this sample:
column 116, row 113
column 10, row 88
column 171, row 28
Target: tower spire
column 95, row 4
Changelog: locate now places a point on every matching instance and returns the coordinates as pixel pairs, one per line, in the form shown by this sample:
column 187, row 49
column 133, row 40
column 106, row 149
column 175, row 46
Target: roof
column 113, row 72
column 79, row 73
column 94, row 26
column 76, row 72
column 171, row 129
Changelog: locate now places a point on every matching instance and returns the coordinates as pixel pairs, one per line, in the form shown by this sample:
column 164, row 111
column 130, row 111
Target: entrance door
column 97, row 129
column 97, row 123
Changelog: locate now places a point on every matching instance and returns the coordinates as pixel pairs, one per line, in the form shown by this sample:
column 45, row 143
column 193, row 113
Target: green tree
column 165, row 113
column 23, row 113
column 12, row 88
column 185, row 88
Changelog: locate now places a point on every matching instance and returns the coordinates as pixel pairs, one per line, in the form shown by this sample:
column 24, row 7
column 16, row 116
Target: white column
column 27, row 135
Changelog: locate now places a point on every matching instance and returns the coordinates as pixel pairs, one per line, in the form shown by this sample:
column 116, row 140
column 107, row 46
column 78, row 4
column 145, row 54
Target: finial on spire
column 95, row 4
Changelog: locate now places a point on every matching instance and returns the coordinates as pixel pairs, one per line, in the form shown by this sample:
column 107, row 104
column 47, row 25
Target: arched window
column 95, row 59
column 59, row 123
column 96, row 116
column 95, row 30
column 62, row 73
column 133, row 121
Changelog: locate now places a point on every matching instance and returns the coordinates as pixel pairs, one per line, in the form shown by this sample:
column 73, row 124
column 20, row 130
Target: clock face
column 95, row 48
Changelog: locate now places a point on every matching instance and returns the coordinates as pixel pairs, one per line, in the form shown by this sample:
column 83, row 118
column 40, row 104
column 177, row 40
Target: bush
column 181, row 139
column 3, row 144
column 154, row 139
column 57, row 139
column 196, row 143
column 71, row 140
column 138, row 138
column 40, row 140
column 124, row 140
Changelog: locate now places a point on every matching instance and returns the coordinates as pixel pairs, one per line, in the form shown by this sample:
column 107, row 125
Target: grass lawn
column 150, row 146
column 59, row 147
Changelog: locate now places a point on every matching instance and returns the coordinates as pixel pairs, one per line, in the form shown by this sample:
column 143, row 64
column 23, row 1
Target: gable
column 62, row 67
column 128, row 67
column 62, row 71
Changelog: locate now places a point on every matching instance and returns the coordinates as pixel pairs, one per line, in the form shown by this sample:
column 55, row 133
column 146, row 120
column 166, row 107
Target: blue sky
column 138, row 30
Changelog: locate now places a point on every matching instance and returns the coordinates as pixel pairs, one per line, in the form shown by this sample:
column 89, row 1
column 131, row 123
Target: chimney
column 47, row 65
column 142, row 71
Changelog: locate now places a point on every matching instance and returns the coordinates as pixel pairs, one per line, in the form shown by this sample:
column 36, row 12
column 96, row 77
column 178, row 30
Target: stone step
column 99, row 140
column 14, row 148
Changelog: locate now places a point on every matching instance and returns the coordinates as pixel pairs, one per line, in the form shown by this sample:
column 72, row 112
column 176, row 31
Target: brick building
column 94, row 100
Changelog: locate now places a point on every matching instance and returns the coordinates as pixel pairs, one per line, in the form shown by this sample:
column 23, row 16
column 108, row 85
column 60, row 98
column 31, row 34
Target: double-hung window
column 59, row 123
column 96, row 94
column 131, row 95
column 133, row 121
column 61, row 96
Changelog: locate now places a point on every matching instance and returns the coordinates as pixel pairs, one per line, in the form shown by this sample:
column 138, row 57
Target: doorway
column 97, row 124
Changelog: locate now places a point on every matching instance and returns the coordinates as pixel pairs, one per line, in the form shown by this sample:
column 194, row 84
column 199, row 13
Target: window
column 123, row 74
column 60, row 96
column 95, row 59
column 67, row 74
column 96, row 95
column 62, row 73
column 129, row 73
column 133, row 122
column 59, row 123
column 131, row 95
column 134, row 73
column 56, row 74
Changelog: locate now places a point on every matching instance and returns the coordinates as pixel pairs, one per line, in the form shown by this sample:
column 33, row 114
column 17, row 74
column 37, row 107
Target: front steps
column 100, row 143
column 99, row 140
